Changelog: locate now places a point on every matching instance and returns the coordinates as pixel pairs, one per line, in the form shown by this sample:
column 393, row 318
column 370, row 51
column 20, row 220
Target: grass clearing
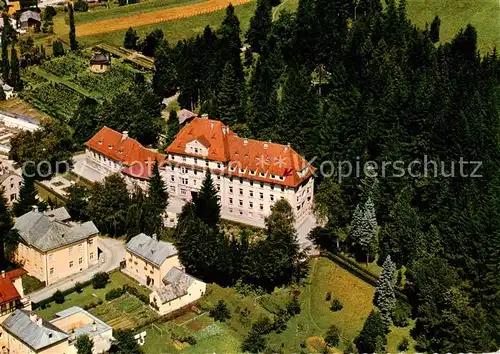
column 103, row 13
column 31, row 284
column 87, row 296
column 178, row 29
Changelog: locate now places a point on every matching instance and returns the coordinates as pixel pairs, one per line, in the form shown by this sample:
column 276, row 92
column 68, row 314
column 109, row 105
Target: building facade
column 10, row 181
column 250, row 175
column 53, row 247
column 110, row 152
column 149, row 260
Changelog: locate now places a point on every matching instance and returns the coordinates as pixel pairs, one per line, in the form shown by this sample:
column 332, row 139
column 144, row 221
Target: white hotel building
column 250, row 175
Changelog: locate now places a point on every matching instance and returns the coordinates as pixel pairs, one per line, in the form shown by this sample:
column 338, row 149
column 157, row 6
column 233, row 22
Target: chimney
column 287, row 147
column 155, row 237
column 266, row 145
column 245, row 141
column 33, row 317
column 39, row 321
column 3, row 274
column 94, row 326
column 224, row 130
column 72, row 336
column 211, row 125
column 124, row 135
column 34, row 208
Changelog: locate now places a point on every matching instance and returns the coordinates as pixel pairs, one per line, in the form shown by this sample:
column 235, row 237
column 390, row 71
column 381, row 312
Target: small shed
column 99, row 63
column 30, row 19
column 9, row 90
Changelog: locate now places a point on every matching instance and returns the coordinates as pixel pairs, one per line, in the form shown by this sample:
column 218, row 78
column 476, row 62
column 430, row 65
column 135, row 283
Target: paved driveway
column 113, row 252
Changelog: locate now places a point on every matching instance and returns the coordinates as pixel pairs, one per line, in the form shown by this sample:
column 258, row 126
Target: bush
column 404, row 345
column 332, row 336
column 336, row 305
column 328, row 296
column 262, row 326
column 58, row 297
column 135, row 292
column 122, row 2
column 114, row 294
column 100, row 280
column 293, row 307
column 220, row 312
column 78, row 287
column 401, row 314
column 81, row 6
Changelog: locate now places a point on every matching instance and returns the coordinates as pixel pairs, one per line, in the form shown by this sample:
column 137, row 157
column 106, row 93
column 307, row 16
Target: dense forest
column 349, row 80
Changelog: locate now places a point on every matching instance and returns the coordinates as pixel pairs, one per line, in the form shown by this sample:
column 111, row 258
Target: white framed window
column 183, row 191
column 172, row 189
column 261, row 195
column 261, row 207
column 207, row 163
column 51, row 257
column 241, row 191
column 251, row 194
column 172, row 178
column 241, row 202
column 51, row 271
column 91, row 241
column 91, row 255
column 230, row 200
column 71, row 264
column 218, row 187
column 231, row 190
column 80, row 260
column 80, row 247
column 250, row 205
column 218, row 165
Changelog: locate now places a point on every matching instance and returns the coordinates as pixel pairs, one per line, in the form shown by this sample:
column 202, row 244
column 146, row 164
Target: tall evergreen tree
column 27, row 197
column 434, row 31
column 131, row 38
column 15, row 76
column 229, row 99
column 207, row 203
column 363, row 234
column 5, row 48
column 230, row 43
column 157, row 191
column 372, row 338
column 385, row 298
column 3, row 96
column 72, row 31
column 260, row 25
column 165, row 75
column 77, row 202
column 8, row 237
column 173, row 127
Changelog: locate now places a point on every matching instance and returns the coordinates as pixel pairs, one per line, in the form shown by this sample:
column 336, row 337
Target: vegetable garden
column 57, row 86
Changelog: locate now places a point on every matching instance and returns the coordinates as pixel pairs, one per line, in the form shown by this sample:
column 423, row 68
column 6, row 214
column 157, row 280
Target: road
column 113, row 252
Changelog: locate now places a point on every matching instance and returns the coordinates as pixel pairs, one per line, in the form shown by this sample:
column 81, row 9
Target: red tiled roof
column 126, row 150
column 240, row 153
column 8, row 291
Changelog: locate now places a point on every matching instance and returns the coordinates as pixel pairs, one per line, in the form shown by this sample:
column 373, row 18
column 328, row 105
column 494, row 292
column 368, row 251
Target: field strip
column 150, row 18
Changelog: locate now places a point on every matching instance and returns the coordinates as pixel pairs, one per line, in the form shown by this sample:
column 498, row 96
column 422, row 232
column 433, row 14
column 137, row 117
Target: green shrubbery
column 100, row 280
column 114, row 294
column 58, row 297
column 336, row 305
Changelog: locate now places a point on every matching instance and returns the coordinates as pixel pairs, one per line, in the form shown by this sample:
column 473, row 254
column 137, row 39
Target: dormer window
column 263, row 174
column 100, row 142
column 273, row 176
column 252, row 172
column 231, row 169
column 110, row 147
column 242, row 170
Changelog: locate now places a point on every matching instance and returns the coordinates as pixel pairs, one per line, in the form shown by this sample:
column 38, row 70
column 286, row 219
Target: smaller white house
column 180, row 289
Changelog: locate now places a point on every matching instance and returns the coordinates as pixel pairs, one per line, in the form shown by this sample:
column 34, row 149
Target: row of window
column 250, row 204
column 71, row 263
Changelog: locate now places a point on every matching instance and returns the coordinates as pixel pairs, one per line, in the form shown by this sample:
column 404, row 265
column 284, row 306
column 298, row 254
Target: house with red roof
column 109, row 152
column 250, row 175
column 11, row 293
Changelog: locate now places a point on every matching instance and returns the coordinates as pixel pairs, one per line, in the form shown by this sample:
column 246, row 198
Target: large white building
column 250, row 175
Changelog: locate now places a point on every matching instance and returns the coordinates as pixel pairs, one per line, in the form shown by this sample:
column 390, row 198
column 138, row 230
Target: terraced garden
column 58, row 86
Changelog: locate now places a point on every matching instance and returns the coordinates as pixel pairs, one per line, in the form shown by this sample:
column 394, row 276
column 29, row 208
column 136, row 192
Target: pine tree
column 8, row 237
column 27, row 197
column 5, row 48
column 230, row 44
column 57, row 48
column 173, row 127
column 72, row 32
column 206, row 202
column 363, row 234
column 77, row 202
column 15, row 76
column 157, row 191
column 385, row 298
column 368, row 8
column 372, row 338
column 260, row 25
column 131, row 38
column 229, row 99
column 3, row 97
column 434, row 31
column 165, row 81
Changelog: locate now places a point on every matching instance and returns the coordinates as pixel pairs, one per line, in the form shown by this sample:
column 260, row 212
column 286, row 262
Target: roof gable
column 150, row 249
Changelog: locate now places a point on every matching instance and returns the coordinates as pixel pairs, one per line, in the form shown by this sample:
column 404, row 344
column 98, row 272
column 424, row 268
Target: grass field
column 307, row 328
column 88, row 295
column 103, row 13
column 175, row 30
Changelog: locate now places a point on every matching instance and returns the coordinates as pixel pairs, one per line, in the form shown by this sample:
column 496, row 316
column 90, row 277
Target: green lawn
column 484, row 15
column 179, row 29
column 102, row 13
column 88, row 295
column 306, row 328
column 31, row 284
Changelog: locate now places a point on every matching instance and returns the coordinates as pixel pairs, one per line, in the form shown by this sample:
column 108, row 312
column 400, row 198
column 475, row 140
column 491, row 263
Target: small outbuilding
column 30, row 19
column 99, row 63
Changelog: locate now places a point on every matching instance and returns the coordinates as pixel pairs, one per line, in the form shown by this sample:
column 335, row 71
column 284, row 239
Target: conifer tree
column 27, row 197
column 372, row 338
column 8, row 237
column 15, row 76
column 229, row 99
column 72, row 32
column 157, row 191
column 5, row 48
column 173, row 127
column 206, row 202
column 364, row 230
column 230, row 43
column 3, row 97
column 260, row 25
column 385, row 298
column 434, row 31
column 368, row 7
column 131, row 38
column 165, row 75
